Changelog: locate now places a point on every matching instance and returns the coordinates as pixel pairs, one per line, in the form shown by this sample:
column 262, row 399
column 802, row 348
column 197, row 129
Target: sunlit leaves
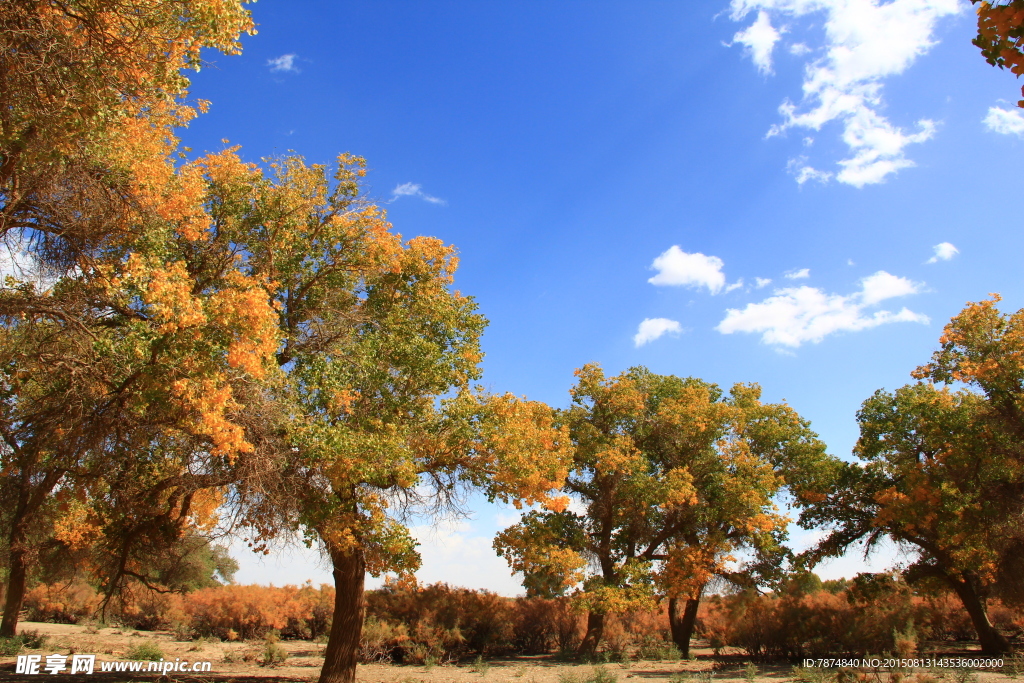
column 672, row 478
column 1001, row 34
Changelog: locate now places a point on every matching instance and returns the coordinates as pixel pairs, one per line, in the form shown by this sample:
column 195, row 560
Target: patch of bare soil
column 239, row 662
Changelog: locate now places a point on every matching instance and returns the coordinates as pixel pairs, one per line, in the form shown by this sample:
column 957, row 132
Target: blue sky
column 602, row 164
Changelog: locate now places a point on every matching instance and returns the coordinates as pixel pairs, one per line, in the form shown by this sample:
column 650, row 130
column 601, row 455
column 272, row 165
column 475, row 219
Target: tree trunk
column 595, row 630
column 342, row 651
column 17, row 552
column 992, row 642
column 682, row 624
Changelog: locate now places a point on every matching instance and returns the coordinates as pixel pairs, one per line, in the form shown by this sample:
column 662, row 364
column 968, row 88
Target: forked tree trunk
column 17, row 573
column 992, row 642
column 342, row 651
column 595, row 630
column 682, row 624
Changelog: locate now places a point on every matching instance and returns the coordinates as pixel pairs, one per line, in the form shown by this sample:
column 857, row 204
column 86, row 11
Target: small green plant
column 569, row 677
column 520, row 671
column 680, row 677
column 1013, row 665
column 811, row 674
column 34, row 640
column 656, row 649
column 92, row 625
column 481, row 665
column 272, row 654
column 602, row 675
column 430, row 661
column 964, row 675
column 183, row 631
column 10, row 646
column 147, row 651
column 750, row 672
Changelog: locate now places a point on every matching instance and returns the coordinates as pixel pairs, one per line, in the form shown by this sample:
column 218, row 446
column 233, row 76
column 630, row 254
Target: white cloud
column 759, row 39
column 943, row 252
column 414, row 190
column 677, row 267
column 1005, row 121
column 866, row 41
column 799, row 49
column 283, row 63
column 796, row 315
column 735, row 285
column 450, row 546
column 652, row 328
column 881, row 286
column 798, row 167
column 801, row 274
column 761, row 282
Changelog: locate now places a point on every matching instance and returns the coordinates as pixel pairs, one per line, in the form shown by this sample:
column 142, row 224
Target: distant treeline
column 414, row 624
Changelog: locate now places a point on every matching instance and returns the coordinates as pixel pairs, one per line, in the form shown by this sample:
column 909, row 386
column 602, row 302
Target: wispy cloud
column 415, row 190
column 943, row 252
column 801, row 274
column 803, row 171
column 677, row 267
column 652, row 328
column 761, row 282
column 796, row 315
column 283, row 63
column 866, row 41
column 1005, row 121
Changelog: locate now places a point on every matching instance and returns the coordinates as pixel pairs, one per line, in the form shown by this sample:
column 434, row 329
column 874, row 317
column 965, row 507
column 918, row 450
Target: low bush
column 10, row 646
column 61, row 603
column 145, row 651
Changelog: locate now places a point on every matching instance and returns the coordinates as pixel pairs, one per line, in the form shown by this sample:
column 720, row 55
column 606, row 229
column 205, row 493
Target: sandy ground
column 237, row 663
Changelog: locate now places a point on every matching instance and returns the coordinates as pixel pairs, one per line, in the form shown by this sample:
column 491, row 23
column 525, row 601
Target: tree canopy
column 672, row 481
column 941, row 471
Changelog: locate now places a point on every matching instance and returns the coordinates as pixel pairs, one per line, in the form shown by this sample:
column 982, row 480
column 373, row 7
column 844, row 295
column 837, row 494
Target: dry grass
column 238, row 662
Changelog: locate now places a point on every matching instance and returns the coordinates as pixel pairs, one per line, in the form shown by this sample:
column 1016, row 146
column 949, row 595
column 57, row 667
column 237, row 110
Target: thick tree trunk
column 992, row 642
column 682, row 624
column 595, row 630
column 342, row 651
column 18, row 571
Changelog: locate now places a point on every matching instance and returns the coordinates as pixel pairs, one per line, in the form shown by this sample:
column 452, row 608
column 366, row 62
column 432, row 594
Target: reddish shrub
column 61, row 603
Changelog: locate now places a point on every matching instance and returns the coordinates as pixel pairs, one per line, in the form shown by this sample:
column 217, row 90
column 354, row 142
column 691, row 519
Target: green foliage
column 937, row 467
column 657, row 649
column 669, row 469
column 272, row 654
column 602, row 675
column 10, row 646
column 146, row 650
column 598, row 674
column 811, row 674
column 964, row 675
column 481, row 665
column 33, row 639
